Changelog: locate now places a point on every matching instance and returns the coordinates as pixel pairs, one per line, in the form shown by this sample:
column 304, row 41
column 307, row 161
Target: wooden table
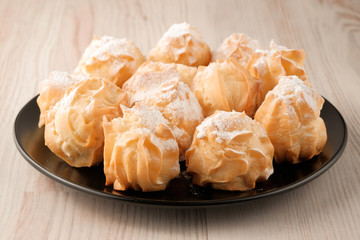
column 38, row 36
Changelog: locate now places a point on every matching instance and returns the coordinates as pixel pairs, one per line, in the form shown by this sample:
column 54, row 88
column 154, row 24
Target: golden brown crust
column 73, row 128
column 269, row 66
column 169, row 95
column 52, row 90
column 230, row 151
column 116, row 60
column 151, row 75
column 180, row 107
column 182, row 43
column 140, row 151
column 238, row 46
column 290, row 114
column 225, row 85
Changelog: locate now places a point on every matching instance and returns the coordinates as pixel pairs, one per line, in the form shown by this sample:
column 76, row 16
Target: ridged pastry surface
column 52, row 90
column 140, row 151
column 182, row 43
column 270, row 65
column 180, row 107
column 73, row 127
column 230, row 151
column 111, row 58
column 238, row 46
column 226, row 85
column 290, row 114
column 152, row 74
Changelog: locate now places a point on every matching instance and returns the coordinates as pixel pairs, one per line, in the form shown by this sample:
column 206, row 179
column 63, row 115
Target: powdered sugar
column 261, row 67
column 102, row 48
column 180, row 101
column 58, row 80
column 274, row 47
column 238, row 46
column 222, row 125
column 292, row 90
column 265, row 59
column 178, row 132
column 179, row 106
column 151, row 119
column 181, row 29
column 228, row 136
column 140, row 84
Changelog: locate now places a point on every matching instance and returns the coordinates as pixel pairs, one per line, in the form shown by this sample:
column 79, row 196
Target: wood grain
column 38, row 36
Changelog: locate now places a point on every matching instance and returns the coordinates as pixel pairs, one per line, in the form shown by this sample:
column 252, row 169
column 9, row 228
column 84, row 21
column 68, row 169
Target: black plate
column 180, row 192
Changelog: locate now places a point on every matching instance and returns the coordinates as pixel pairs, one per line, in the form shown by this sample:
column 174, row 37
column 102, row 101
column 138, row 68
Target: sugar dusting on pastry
column 218, row 85
column 140, row 150
column 269, row 65
column 182, row 43
column 73, row 127
column 290, row 114
column 141, row 131
column 291, row 88
column 149, row 76
column 238, row 46
column 179, row 106
column 107, row 57
column 52, row 90
column 178, row 30
column 230, row 151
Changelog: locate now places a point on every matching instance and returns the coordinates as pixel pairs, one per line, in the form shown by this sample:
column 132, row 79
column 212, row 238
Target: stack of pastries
column 227, row 113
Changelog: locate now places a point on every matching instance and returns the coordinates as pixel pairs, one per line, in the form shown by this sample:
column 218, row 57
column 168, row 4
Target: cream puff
column 226, row 85
column 230, row 151
column 180, row 107
column 73, row 127
column 290, row 114
column 151, row 75
column 238, row 46
column 182, row 43
column 140, row 150
column 52, row 90
column 107, row 57
column 269, row 66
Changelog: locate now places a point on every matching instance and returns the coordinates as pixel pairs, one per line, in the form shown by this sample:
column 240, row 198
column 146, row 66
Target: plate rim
column 175, row 203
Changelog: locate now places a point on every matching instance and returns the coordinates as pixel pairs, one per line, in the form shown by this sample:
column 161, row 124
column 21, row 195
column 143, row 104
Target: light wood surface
column 38, row 36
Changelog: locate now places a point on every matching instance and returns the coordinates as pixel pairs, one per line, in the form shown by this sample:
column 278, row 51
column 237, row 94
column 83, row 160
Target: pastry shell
column 226, row 85
column 290, row 114
column 180, row 107
column 107, row 57
column 52, row 90
column 269, row 66
column 230, row 151
column 238, row 46
column 73, row 127
column 140, row 151
column 151, row 75
column 182, row 43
